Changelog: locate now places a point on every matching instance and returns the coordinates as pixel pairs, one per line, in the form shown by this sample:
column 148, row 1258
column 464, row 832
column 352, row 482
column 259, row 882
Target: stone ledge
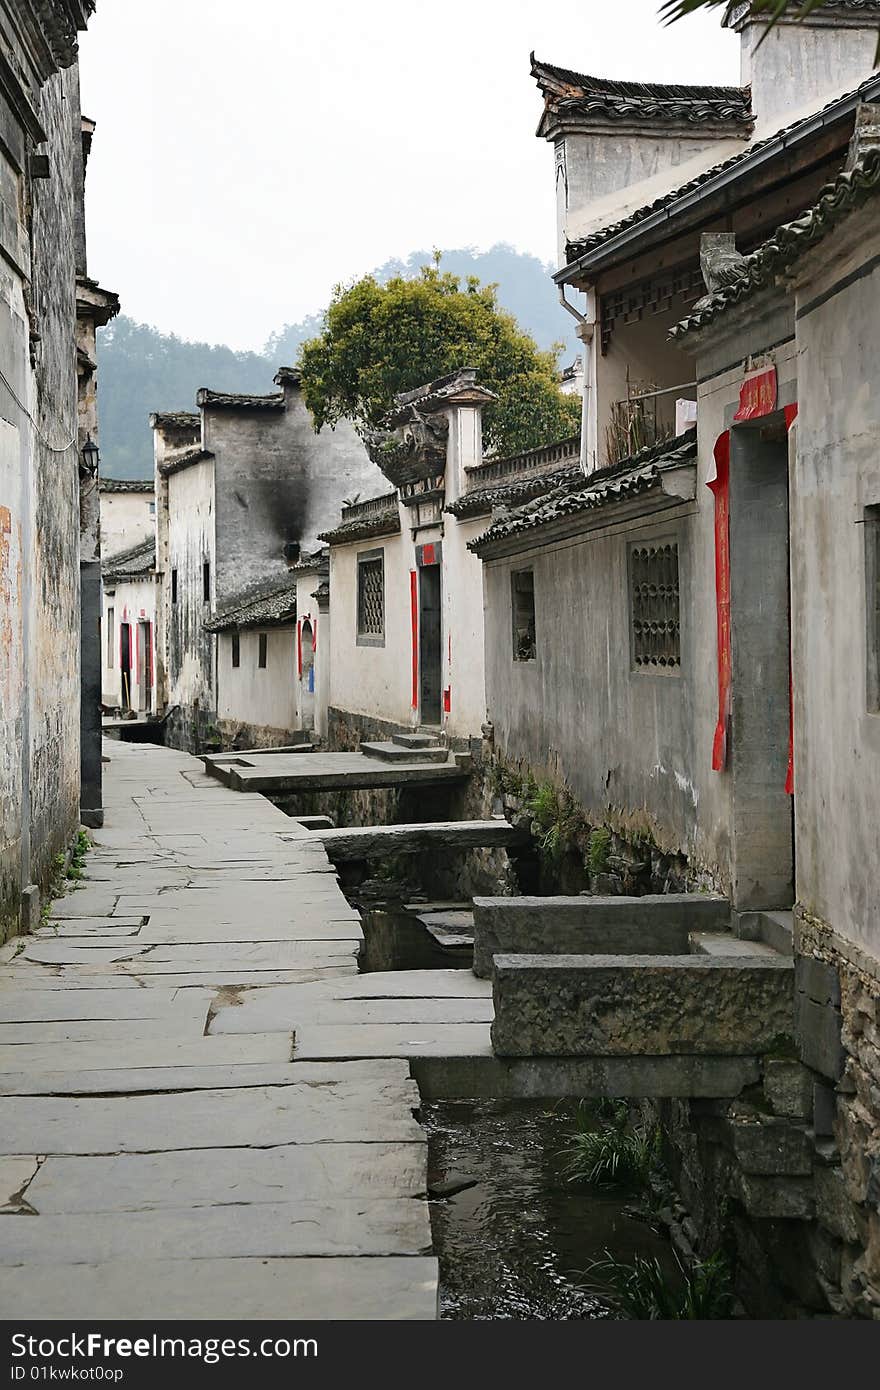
column 573, row 1006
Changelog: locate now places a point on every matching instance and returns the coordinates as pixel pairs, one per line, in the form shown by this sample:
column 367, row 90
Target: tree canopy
column 380, row 339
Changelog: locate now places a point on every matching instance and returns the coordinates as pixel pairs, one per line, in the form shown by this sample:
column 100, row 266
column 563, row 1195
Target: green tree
column 379, row 339
column 771, row 10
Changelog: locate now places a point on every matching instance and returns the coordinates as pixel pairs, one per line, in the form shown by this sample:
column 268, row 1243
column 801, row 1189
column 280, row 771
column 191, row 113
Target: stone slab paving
column 154, row 1167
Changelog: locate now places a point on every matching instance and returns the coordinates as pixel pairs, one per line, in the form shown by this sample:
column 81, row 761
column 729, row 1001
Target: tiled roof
column 435, row 394
column 273, row 607
column 126, row 485
column 378, row 516
column 630, row 478
column 483, row 500
column 848, row 192
column 187, row 460
column 175, row 420
column 568, row 93
column 223, row 400
column 137, row 560
column 582, row 246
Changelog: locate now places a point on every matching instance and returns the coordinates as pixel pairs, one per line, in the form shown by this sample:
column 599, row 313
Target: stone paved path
column 171, row 1143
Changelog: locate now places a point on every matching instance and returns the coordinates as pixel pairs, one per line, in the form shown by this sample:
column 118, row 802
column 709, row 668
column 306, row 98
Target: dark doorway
column 760, row 616
column 125, row 663
column 429, row 645
column 145, row 666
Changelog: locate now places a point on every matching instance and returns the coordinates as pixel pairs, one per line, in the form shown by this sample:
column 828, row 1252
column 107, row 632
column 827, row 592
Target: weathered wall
column 132, row 601
column 127, row 518
column 189, row 647
column 375, row 681
column 254, row 696
column 796, row 65
column 277, row 482
column 595, row 172
column 635, row 747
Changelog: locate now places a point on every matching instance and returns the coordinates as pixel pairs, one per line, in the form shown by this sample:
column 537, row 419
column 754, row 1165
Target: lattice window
column 656, row 630
column 522, row 590
column 371, row 596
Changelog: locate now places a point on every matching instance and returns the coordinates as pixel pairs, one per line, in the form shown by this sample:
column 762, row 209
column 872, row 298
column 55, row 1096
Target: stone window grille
column 371, row 598
column 522, row 591
column 236, row 649
column 872, row 592
column 263, row 655
column 654, row 594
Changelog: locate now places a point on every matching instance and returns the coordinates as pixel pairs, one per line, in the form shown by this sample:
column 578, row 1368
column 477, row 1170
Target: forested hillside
column 143, row 370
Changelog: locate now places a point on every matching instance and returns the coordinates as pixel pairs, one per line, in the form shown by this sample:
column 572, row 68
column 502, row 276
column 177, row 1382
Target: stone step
column 396, row 753
column 601, row 1006
column 411, row 740
column 584, row 925
column 376, row 841
column 722, row 945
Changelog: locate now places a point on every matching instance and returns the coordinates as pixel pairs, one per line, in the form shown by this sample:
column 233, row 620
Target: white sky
column 251, row 155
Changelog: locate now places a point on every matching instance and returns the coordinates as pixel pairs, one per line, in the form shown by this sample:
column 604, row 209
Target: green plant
column 379, row 339
column 599, row 848
column 642, row 1291
column 611, row 1156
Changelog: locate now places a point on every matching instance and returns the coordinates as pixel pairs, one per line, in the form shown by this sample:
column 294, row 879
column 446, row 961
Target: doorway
column 145, row 666
column 762, row 858
column 430, row 654
column 125, row 664
column 307, row 640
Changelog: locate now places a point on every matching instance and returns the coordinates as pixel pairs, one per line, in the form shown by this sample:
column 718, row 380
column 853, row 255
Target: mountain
column 143, row 370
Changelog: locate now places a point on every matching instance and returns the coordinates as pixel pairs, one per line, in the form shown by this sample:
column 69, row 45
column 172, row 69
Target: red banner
column 299, row 650
column 757, row 395
column 720, row 488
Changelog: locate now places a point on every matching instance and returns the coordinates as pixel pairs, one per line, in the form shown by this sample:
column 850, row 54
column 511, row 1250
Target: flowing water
column 516, row 1245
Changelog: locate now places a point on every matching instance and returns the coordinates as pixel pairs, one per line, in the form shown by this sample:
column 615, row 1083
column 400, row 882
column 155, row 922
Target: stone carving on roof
column 413, row 450
column 772, row 263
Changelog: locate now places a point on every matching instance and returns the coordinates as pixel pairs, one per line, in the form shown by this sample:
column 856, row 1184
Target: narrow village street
column 153, row 1126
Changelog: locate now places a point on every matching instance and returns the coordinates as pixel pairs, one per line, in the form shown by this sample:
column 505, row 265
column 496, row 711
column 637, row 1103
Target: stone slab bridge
column 207, row 1112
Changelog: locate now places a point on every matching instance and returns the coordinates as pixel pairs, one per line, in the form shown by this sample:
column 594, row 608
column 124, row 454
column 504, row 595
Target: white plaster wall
column 601, row 167
column 189, row 647
column 132, row 601
column 373, row 681
column 307, row 611
column 250, row 694
column 836, row 475
column 126, row 520
column 798, row 63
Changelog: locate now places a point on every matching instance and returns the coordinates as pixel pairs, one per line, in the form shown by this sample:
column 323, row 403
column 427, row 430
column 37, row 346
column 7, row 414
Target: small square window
column 522, row 592
column 206, row 582
column 371, row 598
column 262, row 659
column 152, row 509
column 872, row 591
column 236, row 649
column 174, row 586
column 654, row 607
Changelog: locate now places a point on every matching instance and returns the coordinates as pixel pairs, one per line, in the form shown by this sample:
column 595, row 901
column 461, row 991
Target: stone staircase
column 407, row 748
column 649, row 976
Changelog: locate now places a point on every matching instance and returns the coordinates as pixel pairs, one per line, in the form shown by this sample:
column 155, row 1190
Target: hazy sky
column 251, row 155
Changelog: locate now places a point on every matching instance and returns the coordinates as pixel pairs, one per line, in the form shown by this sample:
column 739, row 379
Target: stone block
column 599, row 1005
column 770, row 1148
column 817, row 980
column 834, row 1209
column 818, row 1035
column 788, row 1086
column 785, row 1198
column 29, row 914
column 584, row 925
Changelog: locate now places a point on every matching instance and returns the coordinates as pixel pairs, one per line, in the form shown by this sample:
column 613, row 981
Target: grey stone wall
column 39, row 514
